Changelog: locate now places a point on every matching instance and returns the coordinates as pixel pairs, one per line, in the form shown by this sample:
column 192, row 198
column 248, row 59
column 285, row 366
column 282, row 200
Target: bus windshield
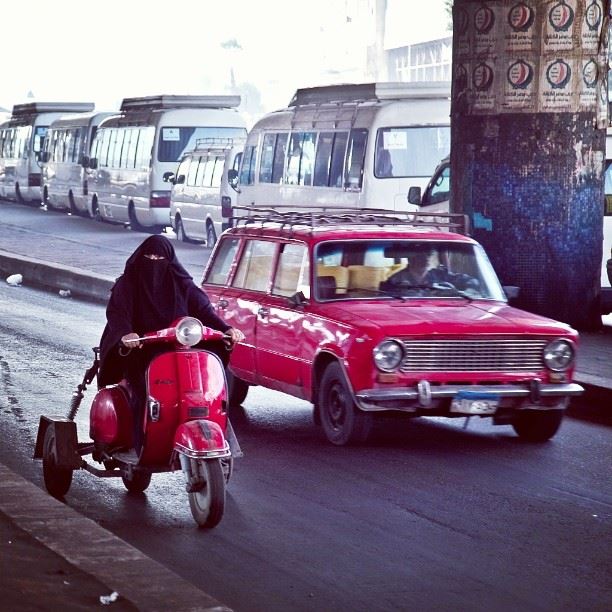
column 410, row 151
column 174, row 141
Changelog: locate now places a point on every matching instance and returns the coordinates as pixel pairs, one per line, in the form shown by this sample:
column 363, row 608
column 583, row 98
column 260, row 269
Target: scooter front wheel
column 207, row 503
column 57, row 479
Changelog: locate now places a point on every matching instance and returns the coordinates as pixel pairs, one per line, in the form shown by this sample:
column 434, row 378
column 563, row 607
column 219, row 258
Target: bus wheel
column 211, row 236
column 95, row 210
column 180, row 230
column 18, row 195
column 134, row 224
column 73, row 209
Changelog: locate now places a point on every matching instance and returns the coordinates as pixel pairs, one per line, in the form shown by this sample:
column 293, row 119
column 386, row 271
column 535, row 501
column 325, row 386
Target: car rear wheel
column 537, row 425
column 343, row 423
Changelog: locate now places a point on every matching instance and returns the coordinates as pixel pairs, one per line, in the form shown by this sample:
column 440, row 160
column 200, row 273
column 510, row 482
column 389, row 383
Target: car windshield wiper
column 383, row 292
column 452, row 290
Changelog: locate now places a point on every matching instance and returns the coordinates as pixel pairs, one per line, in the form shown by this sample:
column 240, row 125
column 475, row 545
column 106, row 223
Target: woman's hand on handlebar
column 131, row 341
column 232, row 337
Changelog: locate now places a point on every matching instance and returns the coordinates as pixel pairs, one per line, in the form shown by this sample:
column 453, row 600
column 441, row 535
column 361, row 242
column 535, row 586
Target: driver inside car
column 420, row 273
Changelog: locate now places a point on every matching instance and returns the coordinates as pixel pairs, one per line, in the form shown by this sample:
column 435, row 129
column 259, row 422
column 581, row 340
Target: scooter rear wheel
column 208, row 503
column 57, row 479
column 137, row 482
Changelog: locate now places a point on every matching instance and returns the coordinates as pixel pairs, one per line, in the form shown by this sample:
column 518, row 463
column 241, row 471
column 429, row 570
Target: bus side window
column 267, row 158
column 247, row 169
column 354, row 159
column 193, row 170
column 279, row 157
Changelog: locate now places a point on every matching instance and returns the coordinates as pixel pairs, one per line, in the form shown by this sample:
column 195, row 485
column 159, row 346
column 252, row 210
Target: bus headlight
column 559, row 355
column 388, row 355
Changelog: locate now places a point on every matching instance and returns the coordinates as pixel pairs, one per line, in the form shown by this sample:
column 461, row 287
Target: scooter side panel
column 203, row 387
column 187, row 384
column 163, row 388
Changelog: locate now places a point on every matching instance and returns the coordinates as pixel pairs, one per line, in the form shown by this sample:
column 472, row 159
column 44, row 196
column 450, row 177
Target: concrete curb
column 50, row 275
column 97, row 552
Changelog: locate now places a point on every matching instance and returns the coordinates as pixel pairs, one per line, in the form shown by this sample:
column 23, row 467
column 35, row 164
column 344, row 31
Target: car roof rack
column 311, row 217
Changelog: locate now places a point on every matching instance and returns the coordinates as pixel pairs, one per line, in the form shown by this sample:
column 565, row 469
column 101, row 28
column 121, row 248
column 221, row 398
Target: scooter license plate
column 474, row 403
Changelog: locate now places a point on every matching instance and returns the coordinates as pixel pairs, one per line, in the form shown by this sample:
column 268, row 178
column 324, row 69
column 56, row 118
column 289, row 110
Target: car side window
column 221, row 267
column 255, row 265
column 293, row 271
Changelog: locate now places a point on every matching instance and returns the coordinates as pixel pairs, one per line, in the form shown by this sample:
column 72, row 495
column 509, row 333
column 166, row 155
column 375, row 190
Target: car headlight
column 388, row 355
column 559, row 355
column 189, row 331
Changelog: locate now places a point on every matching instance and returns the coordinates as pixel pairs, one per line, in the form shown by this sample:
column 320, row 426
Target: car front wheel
column 537, row 425
column 343, row 423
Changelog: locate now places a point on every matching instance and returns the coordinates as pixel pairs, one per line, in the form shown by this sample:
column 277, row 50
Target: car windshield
column 404, row 269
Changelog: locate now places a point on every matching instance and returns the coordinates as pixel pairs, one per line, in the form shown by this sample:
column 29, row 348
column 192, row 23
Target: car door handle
column 222, row 304
column 263, row 312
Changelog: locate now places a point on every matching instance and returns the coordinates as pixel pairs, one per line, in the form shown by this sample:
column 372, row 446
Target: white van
column 64, row 161
column 22, row 140
column 358, row 146
column 133, row 150
column 200, row 189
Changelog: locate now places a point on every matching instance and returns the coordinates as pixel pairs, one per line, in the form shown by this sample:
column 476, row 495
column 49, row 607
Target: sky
column 70, row 50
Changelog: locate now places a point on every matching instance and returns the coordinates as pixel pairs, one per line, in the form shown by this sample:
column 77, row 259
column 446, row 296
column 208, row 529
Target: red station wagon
column 366, row 312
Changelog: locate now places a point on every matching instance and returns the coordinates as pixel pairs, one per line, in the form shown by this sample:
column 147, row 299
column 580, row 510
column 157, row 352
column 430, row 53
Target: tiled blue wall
column 535, row 210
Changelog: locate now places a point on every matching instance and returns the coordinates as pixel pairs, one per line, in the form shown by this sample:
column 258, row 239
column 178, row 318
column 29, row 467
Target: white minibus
column 64, row 161
column 133, row 150
column 21, row 143
column 200, row 189
column 347, row 145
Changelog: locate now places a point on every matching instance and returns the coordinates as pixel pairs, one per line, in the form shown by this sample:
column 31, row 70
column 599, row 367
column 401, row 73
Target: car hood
column 444, row 317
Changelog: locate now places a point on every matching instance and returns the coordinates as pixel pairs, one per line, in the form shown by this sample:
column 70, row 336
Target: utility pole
column 528, row 127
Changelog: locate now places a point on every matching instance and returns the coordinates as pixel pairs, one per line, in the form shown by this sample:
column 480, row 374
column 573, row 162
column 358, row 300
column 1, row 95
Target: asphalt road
column 428, row 516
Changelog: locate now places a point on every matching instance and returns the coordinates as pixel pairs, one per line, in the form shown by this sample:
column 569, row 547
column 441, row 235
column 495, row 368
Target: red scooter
column 185, row 426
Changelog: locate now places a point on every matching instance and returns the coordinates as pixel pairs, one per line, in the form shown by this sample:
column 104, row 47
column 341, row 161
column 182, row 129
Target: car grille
column 493, row 355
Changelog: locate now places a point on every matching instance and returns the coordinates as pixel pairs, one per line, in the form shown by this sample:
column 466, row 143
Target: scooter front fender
column 201, row 439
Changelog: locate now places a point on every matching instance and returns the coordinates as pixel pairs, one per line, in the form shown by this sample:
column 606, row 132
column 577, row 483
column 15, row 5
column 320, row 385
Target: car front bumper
column 426, row 396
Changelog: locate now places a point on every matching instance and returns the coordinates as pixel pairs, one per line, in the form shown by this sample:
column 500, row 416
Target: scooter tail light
column 189, row 331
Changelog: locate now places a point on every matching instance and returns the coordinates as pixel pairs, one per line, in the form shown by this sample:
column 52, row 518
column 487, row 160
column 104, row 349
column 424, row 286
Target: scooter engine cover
column 110, row 417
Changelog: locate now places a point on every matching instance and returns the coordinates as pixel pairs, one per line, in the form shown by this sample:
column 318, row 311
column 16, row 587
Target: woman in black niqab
column 153, row 291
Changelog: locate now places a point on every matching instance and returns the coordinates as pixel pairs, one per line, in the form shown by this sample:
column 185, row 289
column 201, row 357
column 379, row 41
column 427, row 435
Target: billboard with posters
column 530, row 56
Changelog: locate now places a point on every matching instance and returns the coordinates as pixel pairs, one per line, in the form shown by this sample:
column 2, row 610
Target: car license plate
column 474, row 402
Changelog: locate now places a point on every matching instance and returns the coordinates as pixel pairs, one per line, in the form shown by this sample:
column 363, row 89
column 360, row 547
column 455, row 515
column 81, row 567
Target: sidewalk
column 53, row 558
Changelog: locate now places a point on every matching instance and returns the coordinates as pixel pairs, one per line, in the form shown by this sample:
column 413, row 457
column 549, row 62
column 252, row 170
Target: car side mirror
column 232, row 178
column 511, row 292
column 298, row 299
column 43, row 156
column 93, row 163
column 84, row 161
column 168, row 177
column 179, row 180
column 414, row 195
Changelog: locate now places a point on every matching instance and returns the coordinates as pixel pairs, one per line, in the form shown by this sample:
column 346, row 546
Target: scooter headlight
column 189, row 331
column 558, row 355
column 388, row 355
